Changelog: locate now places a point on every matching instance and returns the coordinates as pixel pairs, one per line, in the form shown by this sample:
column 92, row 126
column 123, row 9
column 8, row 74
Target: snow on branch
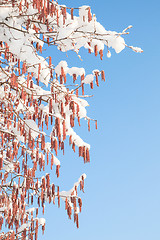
column 40, row 104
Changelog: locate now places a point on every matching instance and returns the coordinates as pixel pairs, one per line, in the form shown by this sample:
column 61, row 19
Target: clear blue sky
column 122, row 197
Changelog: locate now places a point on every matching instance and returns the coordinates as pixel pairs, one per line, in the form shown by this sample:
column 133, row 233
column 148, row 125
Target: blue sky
column 121, row 200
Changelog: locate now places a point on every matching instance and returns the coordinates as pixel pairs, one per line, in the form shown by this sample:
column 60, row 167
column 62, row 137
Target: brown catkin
column 96, row 50
column 89, row 15
column 101, row 54
column 103, row 75
column 88, row 124
column 50, row 61
column 57, row 170
column 96, row 123
column 97, row 83
column 89, row 50
column 72, row 17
